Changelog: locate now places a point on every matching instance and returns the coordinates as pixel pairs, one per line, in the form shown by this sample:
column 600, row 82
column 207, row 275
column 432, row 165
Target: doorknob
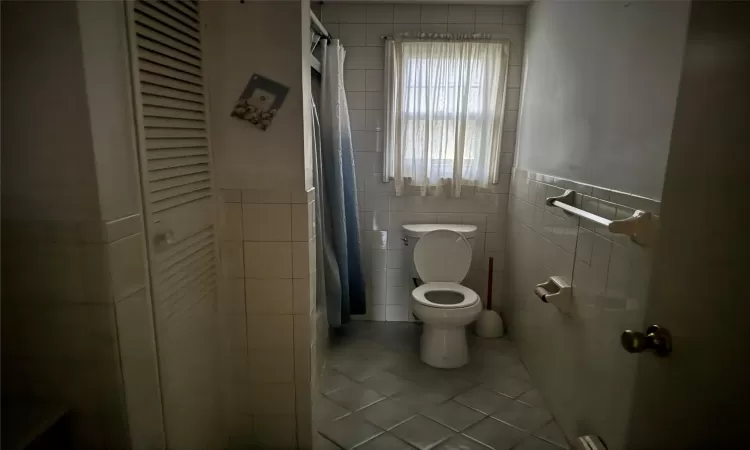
column 656, row 338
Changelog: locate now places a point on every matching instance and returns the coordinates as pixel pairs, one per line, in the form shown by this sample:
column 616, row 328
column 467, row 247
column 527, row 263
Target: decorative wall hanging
column 260, row 101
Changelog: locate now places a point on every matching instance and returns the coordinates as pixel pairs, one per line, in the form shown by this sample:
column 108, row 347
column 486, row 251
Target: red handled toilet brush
column 489, row 283
column 489, row 324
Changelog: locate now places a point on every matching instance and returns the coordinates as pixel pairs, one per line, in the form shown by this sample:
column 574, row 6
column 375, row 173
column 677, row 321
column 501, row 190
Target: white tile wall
column 610, row 277
column 382, row 213
column 127, row 268
column 268, row 293
column 139, row 369
column 268, row 259
column 98, row 269
column 74, row 305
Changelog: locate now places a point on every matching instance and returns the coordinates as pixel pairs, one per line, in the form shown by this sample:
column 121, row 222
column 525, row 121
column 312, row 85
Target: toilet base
column 444, row 347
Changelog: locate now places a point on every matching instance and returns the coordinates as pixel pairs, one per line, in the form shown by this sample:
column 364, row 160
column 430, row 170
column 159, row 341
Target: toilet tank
column 412, row 233
column 418, row 230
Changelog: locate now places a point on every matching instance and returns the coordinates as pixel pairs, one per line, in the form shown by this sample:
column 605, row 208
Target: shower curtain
column 341, row 282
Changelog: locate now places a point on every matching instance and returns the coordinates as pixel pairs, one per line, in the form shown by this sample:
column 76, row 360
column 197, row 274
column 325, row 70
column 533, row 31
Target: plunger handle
column 489, row 284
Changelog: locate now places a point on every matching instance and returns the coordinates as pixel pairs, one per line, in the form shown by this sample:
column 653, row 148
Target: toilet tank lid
column 420, row 229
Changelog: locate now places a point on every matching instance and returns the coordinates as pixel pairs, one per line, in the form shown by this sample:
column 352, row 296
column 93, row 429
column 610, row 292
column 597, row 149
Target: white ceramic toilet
column 442, row 258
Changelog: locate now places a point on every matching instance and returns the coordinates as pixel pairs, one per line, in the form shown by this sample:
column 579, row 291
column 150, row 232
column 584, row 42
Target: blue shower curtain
column 338, row 212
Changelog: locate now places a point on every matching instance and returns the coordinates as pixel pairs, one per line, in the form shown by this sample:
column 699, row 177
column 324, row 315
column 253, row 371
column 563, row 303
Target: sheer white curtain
column 445, row 99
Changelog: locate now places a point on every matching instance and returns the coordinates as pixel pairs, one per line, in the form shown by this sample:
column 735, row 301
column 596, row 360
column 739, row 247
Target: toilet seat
column 470, row 298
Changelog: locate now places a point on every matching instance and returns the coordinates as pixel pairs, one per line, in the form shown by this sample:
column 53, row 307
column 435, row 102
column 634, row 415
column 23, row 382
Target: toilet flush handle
column 405, row 241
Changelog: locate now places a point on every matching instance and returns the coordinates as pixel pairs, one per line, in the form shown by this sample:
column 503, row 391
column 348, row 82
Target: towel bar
column 642, row 226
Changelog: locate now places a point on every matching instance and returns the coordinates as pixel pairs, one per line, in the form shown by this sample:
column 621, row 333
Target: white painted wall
column 46, row 139
column 600, row 90
column 242, row 39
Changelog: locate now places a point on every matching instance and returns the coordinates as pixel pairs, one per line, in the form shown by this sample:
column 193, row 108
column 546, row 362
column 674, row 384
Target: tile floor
column 375, row 393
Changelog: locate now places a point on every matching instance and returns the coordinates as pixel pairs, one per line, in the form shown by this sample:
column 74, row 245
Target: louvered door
column 176, row 172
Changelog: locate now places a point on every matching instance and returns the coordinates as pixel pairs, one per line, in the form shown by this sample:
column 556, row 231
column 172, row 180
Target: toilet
column 442, row 258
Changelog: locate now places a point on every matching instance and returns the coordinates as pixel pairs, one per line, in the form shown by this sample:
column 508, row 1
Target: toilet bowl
column 442, row 259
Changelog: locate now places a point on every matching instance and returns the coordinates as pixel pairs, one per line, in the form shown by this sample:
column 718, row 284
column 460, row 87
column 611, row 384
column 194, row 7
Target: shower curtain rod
column 318, row 27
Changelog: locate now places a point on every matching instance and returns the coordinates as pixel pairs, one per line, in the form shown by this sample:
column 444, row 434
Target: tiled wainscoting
column 268, row 292
column 78, row 329
column 575, row 356
column 360, row 28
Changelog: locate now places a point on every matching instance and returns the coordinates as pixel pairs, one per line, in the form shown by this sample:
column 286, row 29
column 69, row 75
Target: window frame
column 495, row 117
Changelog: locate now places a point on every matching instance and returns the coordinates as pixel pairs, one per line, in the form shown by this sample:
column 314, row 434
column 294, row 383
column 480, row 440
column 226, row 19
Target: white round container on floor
column 489, row 325
column 442, row 259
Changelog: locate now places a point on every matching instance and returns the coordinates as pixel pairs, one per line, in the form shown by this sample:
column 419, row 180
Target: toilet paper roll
column 555, row 291
column 541, row 293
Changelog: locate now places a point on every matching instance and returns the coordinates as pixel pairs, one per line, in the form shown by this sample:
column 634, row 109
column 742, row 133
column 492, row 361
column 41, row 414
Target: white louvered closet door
column 179, row 202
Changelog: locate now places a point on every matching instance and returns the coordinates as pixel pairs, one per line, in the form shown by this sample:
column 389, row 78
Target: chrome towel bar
column 642, row 227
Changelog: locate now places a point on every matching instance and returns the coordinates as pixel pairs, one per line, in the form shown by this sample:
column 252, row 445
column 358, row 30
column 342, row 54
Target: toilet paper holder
column 556, row 291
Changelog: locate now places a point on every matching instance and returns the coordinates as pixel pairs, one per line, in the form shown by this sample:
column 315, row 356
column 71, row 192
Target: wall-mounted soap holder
column 556, row 291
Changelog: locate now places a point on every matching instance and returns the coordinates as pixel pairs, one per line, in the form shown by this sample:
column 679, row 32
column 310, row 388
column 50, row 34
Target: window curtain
column 445, row 98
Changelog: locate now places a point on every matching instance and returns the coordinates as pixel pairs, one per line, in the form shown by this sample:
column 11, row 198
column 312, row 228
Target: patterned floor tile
column 321, row 443
column 454, row 415
column 488, row 374
column 326, row 409
column 459, row 442
column 385, row 441
column 359, row 370
column 448, row 384
column 387, row 413
column 350, row 431
column 523, row 416
column 375, row 381
column 386, row 383
column 503, row 345
column 509, row 386
column 331, row 381
column 484, row 400
column 533, row 443
column 495, row 434
column 553, row 434
column 422, row 432
column 520, row 372
column 490, row 358
column 419, row 399
column 355, row 397
column 532, row 398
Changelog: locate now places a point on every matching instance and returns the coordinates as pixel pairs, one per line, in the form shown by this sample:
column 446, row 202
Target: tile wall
column 387, row 262
column 268, row 307
column 82, row 338
column 129, row 290
column 575, row 356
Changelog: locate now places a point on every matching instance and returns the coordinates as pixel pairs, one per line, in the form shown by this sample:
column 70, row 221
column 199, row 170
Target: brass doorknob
column 656, row 338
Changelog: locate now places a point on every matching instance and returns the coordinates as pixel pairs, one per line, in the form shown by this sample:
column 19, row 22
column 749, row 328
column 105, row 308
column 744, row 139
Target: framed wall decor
column 260, row 101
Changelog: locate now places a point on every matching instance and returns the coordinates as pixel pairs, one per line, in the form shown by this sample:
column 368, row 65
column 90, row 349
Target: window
column 444, row 111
